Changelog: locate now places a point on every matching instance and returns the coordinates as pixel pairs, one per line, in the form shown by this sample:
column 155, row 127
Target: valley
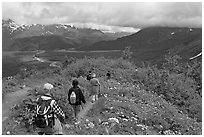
column 14, row 61
column 110, row 68
column 147, row 67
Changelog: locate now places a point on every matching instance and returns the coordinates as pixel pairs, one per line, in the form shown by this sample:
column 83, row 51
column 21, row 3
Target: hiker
column 48, row 115
column 94, row 88
column 108, row 75
column 75, row 97
column 89, row 76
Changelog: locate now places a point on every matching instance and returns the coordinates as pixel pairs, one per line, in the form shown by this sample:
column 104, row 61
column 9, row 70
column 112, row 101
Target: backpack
column 89, row 77
column 73, row 97
column 45, row 115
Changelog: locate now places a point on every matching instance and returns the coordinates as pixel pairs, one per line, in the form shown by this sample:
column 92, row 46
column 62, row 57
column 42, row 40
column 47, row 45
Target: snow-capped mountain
column 36, row 36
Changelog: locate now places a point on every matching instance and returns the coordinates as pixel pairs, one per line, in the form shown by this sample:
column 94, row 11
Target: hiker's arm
column 98, row 82
column 99, row 86
column 82, row 97
column 69, row 93
column 57, row 110
column 99, row 89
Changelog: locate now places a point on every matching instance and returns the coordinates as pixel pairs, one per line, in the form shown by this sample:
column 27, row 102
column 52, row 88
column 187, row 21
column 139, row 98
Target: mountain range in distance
column 51, row 37
column 151, row 44
column 148, row 44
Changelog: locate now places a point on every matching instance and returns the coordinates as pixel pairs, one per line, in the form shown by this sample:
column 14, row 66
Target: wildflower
column 113, row 120
column 99, row 120
column 68, row 125
column 91, row 125
column 143, row 126
column 8, row 132
column 105, row 123
column 76, row 123
column 125, row 119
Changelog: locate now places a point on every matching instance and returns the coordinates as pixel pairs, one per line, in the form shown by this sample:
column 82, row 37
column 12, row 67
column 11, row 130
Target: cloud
column 134, row 14
column 104, row 28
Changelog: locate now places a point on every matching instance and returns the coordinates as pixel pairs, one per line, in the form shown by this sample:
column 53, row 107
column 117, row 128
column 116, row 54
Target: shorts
column 55, row 130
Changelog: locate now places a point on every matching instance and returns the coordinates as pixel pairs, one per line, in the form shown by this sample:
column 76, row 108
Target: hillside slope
column 135, row 101
column 153, row 43
column 124, row 109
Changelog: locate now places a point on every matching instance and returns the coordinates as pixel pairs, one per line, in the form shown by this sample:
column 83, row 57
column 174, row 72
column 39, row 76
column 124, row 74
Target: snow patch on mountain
column 103, row 28
column 196, row 56
column 49, row 32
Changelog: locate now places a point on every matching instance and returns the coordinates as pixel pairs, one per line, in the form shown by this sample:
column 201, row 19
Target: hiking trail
column 85, row 110
column 11, row 99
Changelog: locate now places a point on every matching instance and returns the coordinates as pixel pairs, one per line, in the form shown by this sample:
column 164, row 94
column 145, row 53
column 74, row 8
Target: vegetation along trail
column 11, row 99
column 85, row 110
column 132, row 102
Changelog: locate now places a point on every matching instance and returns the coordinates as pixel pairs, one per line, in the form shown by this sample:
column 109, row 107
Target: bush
column 178, row 83
column 120, row 68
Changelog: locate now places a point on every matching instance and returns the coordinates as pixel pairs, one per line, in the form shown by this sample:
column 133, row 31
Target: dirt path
column 11, row 99
column 85, row 110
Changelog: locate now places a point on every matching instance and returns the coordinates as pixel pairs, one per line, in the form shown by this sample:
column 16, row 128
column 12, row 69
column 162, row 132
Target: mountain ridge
column 83, row 36
column 154, row 42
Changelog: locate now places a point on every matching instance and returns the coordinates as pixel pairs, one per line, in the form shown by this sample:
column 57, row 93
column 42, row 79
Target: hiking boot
column 41, row 133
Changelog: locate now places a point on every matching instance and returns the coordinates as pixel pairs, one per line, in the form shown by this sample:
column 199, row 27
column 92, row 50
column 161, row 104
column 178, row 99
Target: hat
column 75, row 82
column 93, row 75
column 48, row 86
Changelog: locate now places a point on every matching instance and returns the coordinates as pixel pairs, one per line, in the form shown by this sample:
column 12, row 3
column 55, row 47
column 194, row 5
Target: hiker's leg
column 57, row 127
column 41, row 131
column 93, row 98
column 78, row 109
column 48, row 130
column 96, row 96
column 91, row 94
column 74, row 110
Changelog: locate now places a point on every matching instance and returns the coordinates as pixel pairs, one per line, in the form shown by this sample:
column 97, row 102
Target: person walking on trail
column 108, row 75
column 89, row 76
column 48, row 115
column 95, row 88
column 75, row 97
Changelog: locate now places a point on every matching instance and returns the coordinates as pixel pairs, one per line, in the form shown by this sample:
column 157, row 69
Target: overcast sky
column 137, row 15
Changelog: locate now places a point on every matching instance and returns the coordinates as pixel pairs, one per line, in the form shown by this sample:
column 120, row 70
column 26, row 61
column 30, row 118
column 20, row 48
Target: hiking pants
column 94, row 91
column 55, row 130
column 76, row 109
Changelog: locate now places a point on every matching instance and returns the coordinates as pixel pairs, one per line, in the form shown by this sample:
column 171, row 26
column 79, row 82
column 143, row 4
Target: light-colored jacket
column 94, row 86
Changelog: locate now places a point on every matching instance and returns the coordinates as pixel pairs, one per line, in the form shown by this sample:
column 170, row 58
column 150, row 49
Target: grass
column 136, row 98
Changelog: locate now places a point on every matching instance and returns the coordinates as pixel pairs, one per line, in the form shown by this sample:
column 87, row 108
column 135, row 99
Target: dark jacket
column 79, row 95
column 89, row 76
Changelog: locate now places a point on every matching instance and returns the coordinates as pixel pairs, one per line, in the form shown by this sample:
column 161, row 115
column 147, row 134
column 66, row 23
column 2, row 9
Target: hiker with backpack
column 94, row 88
column 108, row 75
column 89, row 76
column 75, row 97
column 48, row 114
